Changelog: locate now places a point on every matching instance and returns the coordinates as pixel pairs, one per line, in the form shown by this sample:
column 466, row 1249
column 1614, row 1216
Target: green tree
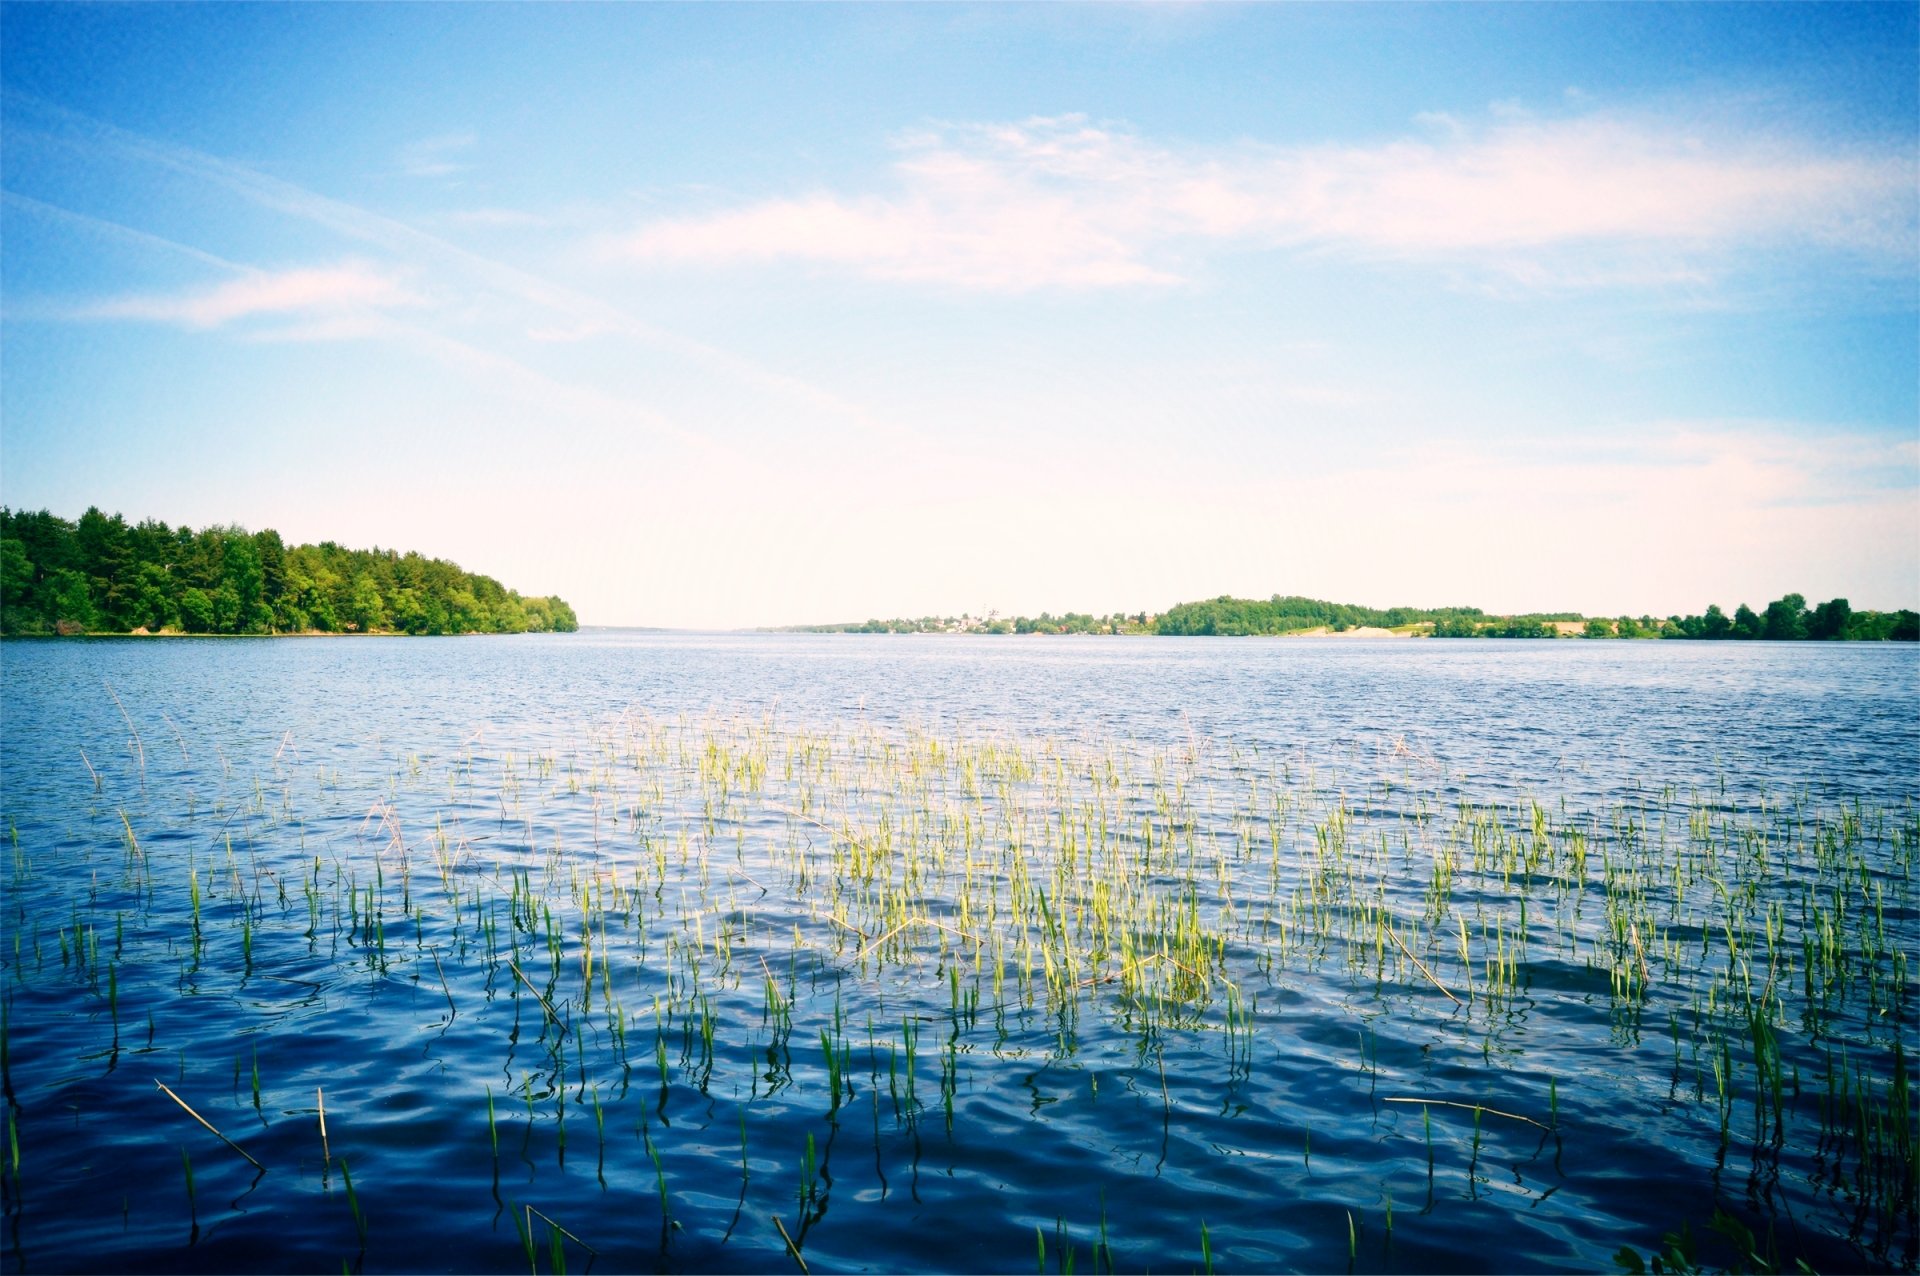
column 227, row 609
column 365, row 610
column 465, row 615
column 107, row 562
column 16, row 586
column 1598, row 628
column 1456, row 627
column 196, row 611
column 1746, row 624
column 153, row 605
column 271, row 553
column 1786, row 619
column 242, row 578
column 1829, row 619
column 409, row 612
column 70, row 602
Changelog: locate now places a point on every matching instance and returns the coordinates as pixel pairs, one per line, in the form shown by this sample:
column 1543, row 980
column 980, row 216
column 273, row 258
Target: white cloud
column 1592, row 201
column 1665, row 518
column 436, row 156
column 494, row 219
column 332, row 294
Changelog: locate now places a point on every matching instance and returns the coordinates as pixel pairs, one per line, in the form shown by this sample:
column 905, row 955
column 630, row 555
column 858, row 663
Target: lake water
column 890, row 953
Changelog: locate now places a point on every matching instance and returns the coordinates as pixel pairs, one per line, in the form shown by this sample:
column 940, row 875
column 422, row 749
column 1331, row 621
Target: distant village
column 1073, row 622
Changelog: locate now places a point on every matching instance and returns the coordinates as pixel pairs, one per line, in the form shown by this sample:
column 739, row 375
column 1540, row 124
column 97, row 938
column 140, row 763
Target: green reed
column 1075, row 893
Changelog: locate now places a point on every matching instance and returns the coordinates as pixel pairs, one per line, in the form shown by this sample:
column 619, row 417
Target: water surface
column 646, row 872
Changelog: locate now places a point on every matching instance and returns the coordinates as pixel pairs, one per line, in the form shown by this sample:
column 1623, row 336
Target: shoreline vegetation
column 1787, row 619
column 100, row 575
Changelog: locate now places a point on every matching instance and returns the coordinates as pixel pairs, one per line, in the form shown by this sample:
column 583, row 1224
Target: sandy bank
column 1359, row 631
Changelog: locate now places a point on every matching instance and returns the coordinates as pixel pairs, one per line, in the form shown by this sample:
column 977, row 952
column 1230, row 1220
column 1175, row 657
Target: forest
column 101, row 574
column 1785, row 619
column 1232, row 617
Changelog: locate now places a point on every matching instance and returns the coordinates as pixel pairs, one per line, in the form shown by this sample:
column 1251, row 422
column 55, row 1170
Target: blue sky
column 718, row 315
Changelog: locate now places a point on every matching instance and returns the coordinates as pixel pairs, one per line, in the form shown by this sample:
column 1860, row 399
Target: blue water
column 283, row 777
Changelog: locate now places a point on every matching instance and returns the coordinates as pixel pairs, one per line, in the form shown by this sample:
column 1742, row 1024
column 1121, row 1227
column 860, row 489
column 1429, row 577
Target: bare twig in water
column 515, row 966
column 203, row 1121
column 1471, row 1107
column 791, row 1247
column 139, row 748
column 178, row 738
column 1423, row 967
column 533, row 1213
column 455, row 1010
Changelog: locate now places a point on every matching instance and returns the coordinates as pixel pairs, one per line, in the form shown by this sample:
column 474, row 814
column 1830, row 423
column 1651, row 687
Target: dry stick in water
column 132, row 841
column 326, row 1153
column 533, row 1213
column 873, row 943
column 140, row 749
column 443, row 988
column 1470, row 1107
column 90, row 771
column 791, row 1247
column 203, row 1121
column 734, row 872
column 843, row 925
column 515, row 967
column 1423, row 967
column 178, row 738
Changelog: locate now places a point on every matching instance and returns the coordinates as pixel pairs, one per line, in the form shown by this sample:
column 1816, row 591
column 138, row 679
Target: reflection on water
column 715, row 952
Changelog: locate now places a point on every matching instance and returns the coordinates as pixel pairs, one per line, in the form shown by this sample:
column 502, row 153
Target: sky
column 720, row 315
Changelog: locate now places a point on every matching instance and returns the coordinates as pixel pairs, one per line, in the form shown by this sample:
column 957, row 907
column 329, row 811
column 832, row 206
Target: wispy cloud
column 331, row 294
column 436, row 156
column 494, row 218
column 566, row 309
column 1597, row 200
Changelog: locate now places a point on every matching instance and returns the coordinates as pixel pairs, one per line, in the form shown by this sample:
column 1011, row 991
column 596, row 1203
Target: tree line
column 101, row 574
column 1234, row 617
column 1785, row 619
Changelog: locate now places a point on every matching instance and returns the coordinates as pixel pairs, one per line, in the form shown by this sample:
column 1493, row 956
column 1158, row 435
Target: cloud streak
column 435, row 156
column 1063, row 203
column 474, row 272
column 349, row 290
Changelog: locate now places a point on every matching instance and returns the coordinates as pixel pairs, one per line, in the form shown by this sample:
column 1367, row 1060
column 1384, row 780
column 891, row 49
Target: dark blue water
column 397, row 844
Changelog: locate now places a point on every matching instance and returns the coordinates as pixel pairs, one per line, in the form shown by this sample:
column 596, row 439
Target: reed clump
column 790, row 916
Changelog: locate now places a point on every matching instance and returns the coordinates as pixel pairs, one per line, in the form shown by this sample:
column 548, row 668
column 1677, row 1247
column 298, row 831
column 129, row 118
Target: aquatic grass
column 353, row 1204
column 1083, row 907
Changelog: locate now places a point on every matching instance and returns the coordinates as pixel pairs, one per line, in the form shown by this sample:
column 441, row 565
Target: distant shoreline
column 1786, row 619
column 296, row 633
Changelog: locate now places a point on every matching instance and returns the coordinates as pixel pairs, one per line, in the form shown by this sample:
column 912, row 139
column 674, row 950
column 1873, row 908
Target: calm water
column 393, row 871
